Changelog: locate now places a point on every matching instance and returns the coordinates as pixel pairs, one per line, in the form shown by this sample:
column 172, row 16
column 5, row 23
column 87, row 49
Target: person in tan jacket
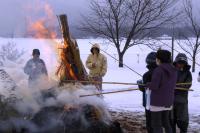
column 97, row 65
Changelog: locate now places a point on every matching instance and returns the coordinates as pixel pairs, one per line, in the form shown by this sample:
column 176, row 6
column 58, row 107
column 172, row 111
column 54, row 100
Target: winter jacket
column 35, row 68
column 100, row 68
column 146, row 78
column 162, row 85
column 183, row 76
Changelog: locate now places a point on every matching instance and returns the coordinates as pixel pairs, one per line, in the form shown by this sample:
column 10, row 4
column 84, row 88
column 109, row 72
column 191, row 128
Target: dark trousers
column 148, row 121
column 160, row 120
column 180, row 117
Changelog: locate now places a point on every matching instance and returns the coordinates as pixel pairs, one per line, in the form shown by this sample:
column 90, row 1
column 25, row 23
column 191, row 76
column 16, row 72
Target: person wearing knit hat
column 162, row 87
column 146, row 78
column 97, row 65
column 180, row 110
column 36, row 52
column 36, row 69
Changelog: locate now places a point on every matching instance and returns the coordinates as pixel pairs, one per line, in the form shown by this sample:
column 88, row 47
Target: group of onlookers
column 165, row 89
column 165, row 86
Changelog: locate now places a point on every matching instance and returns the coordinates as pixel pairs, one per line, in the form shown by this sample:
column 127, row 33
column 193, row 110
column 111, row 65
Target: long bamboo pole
column 183, row 89
column 101, row 93
column 118, row 83
column 119, row 91
column 98, row 82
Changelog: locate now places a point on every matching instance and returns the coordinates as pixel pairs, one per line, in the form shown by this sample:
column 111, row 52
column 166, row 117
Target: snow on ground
column 134, row 58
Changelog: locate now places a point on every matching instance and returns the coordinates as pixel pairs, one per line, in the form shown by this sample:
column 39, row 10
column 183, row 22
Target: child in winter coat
column 151, row 65
column 180, row 110
column 97, row 65
column 162, row 88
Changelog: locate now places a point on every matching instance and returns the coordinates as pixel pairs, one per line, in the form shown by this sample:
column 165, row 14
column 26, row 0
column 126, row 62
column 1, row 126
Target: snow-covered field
column 134, row 58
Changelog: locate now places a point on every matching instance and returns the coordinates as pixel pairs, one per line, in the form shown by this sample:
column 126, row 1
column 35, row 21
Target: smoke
column 46, row 95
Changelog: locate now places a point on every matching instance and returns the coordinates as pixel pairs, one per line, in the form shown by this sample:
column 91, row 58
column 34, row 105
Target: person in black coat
column 151, row 65
column 180, row 111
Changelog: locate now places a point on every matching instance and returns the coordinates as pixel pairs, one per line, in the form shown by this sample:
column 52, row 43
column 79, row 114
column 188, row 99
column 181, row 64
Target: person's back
column 163, row 85
column 162, row 92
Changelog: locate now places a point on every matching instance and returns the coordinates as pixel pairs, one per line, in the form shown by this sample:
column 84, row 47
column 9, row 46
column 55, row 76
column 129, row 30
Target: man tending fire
column 97, row 64
column 35, row 68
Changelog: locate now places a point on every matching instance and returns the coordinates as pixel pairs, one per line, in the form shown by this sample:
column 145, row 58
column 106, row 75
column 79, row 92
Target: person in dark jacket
column 180, row 110
column 36, row 69
column 162, row 88
column 151, row 65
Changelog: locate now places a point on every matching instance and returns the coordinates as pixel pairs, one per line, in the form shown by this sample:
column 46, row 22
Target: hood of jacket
column 186, row 68
column 168, row 68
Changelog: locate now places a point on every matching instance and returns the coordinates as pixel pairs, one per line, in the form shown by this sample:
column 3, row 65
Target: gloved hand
column 94, row 65
column 140, row 85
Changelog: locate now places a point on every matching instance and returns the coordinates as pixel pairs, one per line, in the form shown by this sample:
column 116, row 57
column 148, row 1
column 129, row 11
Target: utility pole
column 173, row 38
column 172, row 47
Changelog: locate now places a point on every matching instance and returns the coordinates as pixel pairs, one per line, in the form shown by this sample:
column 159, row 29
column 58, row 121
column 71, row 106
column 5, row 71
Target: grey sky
column 13, row 13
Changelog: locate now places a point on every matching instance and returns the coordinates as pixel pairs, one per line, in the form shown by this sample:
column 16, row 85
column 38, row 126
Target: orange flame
column 65, row 69
column 43, row 27
column 68, row 66
column 41, row 31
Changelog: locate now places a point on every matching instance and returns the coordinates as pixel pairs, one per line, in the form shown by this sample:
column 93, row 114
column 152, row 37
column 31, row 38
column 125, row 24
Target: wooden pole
column 71, row 50
column 97, row 82
column 111, row 92
column 119, row 91
column 117, row 83
column 184, row 89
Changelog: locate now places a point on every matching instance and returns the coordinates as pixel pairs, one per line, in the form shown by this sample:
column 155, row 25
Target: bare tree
column 125, row 23
column 10, row 52
column 191, row 45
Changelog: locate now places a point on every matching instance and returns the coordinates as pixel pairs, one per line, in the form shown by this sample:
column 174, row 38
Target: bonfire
column 59, row 109
column 71, row 66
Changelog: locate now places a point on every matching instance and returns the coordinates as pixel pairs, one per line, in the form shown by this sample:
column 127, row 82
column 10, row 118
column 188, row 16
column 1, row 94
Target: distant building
column 164, row 37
